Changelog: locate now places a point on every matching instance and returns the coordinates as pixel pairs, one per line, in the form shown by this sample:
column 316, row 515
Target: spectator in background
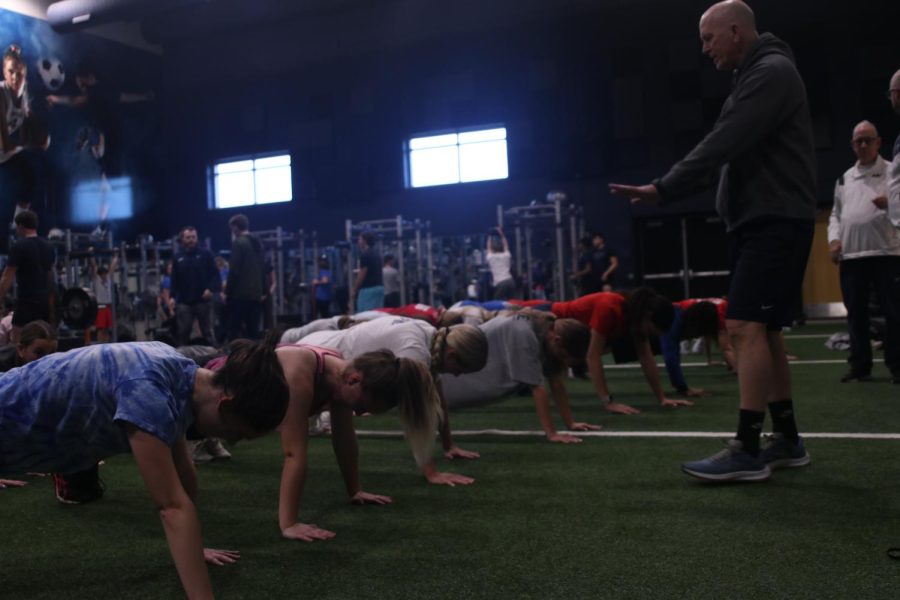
column 893, row 95
column 865, row 245
column 499, row 260
column 194, row 279
column 323, row 290
column 244, row 288
column 30, row 264
column 368, row 288
column 391, row 277
column 104, row 294
column 218, row 301
column 581, row 277
column 603, row 264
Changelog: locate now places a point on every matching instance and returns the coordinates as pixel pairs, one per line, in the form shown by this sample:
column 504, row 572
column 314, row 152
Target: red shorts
column 104, row 318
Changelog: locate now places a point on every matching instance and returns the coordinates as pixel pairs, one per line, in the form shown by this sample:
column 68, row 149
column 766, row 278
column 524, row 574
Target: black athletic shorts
column 768, row 264
column 27, row 311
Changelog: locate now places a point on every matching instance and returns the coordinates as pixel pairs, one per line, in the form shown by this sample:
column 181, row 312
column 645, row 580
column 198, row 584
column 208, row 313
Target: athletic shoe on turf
column 852, row 376
column 781, row 454
column 79, row 488
column 215, row 448
column 199, row 453
column 732, row 463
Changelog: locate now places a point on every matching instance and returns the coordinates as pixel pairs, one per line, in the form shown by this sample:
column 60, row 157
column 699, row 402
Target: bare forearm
column 561, row 397
column 346, row 451
column 182, row 530
column 542, row 407
column 651, row 371
column 293, row 479
column 446, row 436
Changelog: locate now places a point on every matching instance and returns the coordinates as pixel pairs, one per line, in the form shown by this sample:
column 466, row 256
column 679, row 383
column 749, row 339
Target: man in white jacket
column 865, row 244
column 894, row 184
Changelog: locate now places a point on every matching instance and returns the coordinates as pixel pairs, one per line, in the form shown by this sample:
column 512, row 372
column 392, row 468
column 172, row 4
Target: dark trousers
column 323, row 308
column 184, row 318
column 858, row 277
column 243, row 319
column 392, row 300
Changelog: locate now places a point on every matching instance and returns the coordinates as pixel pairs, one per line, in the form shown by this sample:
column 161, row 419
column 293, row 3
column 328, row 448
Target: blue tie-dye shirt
column 66, row 411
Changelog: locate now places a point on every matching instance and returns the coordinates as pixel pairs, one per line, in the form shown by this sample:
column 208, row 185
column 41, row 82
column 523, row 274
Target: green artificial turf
column 609, row 518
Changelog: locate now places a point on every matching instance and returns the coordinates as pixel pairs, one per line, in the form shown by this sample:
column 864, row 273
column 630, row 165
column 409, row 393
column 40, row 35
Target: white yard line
column 829, row 361
column 637, row 434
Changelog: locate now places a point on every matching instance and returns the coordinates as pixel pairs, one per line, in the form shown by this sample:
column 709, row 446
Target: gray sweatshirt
column 762, row 144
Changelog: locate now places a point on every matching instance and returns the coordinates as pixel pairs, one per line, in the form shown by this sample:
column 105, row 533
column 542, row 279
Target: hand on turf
column 451, row 479
column 669, row 403
column 621, row 409
column 220, row 557
column 367, row 498
column 636, row 193
column 578, row 426
column 5, row 483
column 457, row 452
column 564, row 438
column 697, row 393
column 306, row 532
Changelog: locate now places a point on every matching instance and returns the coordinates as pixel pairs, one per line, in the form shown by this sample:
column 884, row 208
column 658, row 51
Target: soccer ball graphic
column 52, row 73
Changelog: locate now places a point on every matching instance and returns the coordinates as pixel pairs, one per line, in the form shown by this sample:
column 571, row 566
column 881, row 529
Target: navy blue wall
column 63, row 166
column 586, row 99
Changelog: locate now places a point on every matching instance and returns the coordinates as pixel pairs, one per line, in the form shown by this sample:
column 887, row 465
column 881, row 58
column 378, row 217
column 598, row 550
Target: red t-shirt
column 601, row 311
column 721, row 306
column 415, row 311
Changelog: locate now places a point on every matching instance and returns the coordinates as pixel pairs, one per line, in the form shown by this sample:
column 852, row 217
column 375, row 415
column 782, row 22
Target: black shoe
column 895, row 377
column 80, row 487
column 853, row 376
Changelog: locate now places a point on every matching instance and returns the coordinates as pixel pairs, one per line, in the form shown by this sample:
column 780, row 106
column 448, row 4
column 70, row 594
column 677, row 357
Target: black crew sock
column 783, row 422
column 749, row 428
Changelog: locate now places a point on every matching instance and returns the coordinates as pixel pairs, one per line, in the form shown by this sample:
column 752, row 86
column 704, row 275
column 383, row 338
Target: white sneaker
column 215, row 448
column 199, row 453
column 320, row 424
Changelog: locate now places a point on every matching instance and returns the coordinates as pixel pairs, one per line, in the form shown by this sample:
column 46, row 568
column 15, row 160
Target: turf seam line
column 828, row 361
column 637, row 434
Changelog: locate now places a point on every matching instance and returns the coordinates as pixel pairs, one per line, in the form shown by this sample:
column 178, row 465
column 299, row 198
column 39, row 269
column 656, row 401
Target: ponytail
column 390, row 381
column 252, row 374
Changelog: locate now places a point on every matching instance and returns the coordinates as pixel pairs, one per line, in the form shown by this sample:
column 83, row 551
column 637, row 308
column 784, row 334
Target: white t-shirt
column 499, row 263
column 406, row 338
column 863, row 229
column 391, row 278
column 295, row 334
column 102, row 289
column 514, row 358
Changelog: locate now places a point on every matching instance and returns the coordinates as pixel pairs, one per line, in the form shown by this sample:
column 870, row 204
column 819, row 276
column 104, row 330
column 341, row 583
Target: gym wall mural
column 78, row 126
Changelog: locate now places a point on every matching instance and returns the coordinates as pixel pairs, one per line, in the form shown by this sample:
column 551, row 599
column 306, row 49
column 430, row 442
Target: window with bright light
column 250, row 181
column 461, row 157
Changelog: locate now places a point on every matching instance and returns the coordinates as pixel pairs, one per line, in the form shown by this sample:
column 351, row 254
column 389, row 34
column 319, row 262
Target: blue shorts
column 370, row 298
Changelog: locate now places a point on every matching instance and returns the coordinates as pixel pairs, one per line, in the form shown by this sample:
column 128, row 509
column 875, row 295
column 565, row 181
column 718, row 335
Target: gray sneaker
column 199, row 453
column 215, row 448
column 732, row 463
column 781, row 454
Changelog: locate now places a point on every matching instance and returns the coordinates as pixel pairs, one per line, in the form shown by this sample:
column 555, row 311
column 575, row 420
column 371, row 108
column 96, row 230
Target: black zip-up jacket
column 192, row 273
column 762, row 143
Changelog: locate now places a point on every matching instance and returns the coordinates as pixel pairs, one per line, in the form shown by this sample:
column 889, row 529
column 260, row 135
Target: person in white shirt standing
column 866, row 246
column 499, row 259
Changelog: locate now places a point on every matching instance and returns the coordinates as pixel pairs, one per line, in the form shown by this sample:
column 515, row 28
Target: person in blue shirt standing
column 323, row 289
column 67, row 411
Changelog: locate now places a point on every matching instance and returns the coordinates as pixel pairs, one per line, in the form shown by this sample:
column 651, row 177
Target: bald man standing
column 762, row 146
column 866, row 246
column 893, row 95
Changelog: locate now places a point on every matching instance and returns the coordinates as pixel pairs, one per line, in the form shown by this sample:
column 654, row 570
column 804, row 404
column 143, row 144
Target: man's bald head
column 865, row 142
column 728, row 30
column 894, row 92
column 731, row 12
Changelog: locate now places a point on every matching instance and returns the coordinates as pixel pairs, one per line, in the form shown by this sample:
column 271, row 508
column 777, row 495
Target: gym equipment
column 78, row 308
column 530, row 222
column 413, row 258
